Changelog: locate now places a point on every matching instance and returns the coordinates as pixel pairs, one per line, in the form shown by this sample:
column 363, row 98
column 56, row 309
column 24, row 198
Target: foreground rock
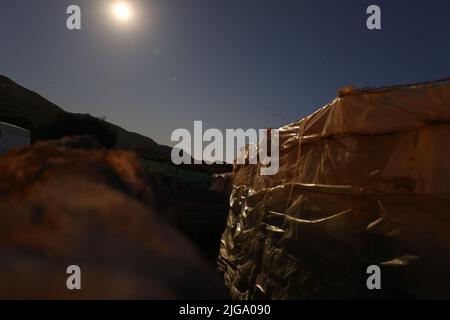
column 61, row 205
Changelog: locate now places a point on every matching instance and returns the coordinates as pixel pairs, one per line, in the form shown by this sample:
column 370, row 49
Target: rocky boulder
column 68, row 203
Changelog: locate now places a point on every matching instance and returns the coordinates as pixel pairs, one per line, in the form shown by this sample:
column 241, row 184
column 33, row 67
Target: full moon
column 122, row 11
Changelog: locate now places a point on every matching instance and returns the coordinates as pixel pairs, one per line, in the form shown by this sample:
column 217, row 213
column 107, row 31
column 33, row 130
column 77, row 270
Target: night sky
column 230, row 63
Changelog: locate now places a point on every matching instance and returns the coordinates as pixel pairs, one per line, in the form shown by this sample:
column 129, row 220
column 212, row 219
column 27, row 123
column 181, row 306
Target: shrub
column 71, row 124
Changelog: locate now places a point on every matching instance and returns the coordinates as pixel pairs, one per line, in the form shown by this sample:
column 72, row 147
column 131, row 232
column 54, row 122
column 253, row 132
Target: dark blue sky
column 220, row 61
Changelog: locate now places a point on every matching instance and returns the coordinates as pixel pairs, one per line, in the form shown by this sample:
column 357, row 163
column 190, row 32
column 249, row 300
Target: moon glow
column 122, row 11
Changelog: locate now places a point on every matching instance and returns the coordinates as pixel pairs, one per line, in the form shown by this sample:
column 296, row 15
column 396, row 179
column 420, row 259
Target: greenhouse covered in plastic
column 363, row 181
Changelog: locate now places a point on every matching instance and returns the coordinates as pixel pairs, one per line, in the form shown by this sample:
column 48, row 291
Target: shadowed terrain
column 66, row 203
column 45, row 120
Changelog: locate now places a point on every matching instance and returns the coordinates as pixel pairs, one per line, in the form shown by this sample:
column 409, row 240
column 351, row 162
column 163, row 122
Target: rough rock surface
column 62, row 204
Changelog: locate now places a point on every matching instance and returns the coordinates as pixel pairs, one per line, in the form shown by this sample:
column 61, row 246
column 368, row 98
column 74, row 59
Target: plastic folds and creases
column 363, row 181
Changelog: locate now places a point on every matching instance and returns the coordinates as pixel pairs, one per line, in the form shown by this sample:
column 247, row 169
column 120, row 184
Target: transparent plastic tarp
column 363, row 181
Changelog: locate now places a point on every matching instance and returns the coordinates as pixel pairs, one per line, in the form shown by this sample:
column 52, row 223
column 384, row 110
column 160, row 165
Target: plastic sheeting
column 363, row 181
column 12, row 137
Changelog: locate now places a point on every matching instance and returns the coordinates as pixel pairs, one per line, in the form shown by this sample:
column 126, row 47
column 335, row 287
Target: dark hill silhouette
column 45, row 120
column 25, row 105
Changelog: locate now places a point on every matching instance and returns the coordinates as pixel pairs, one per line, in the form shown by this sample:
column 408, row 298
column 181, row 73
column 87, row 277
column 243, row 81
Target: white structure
column 12, row 137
